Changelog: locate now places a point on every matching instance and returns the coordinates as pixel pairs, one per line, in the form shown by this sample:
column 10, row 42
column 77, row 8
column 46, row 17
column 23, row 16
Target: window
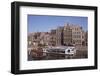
column 68, row 51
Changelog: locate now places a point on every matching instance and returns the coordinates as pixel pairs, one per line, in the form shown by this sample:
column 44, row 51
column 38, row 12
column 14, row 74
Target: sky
column 44, row 23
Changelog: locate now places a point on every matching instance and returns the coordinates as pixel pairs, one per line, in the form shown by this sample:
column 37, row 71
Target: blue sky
column 44, row 23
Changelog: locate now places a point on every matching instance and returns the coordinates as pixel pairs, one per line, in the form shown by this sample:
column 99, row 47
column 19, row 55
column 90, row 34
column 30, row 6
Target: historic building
column 69, row 34
column 52, row 38
column 77, row 34
column 59, row 36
